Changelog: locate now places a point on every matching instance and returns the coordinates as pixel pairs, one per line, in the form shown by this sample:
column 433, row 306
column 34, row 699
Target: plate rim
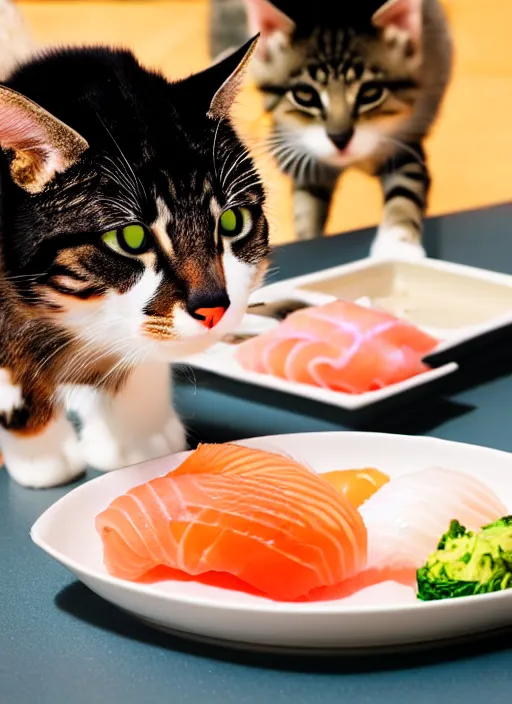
column 475, row 272
column 334, row 399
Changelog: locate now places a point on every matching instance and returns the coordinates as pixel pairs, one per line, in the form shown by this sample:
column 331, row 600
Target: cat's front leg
column 137, row 424
column 39, row 445
column 405, row 182
column 310, row 210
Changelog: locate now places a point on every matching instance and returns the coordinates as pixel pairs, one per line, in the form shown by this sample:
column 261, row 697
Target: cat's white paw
column 106, row 451
column 396, row 243
column 49, row 459
column 99, row 447
column 169, row 439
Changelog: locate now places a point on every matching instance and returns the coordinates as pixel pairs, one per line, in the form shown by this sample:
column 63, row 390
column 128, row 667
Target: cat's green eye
column 235, row 222
column 131, row 239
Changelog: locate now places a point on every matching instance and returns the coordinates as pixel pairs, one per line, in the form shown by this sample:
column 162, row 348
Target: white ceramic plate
column 430, row 294
column 383, row 616
column 220, row 359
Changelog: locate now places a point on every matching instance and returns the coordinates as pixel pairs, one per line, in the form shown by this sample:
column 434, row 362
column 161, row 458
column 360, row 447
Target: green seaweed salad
column 467, row 563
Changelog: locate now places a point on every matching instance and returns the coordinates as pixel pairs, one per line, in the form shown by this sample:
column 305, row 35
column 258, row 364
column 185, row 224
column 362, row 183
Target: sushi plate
column 431, row 294
column 387, row 616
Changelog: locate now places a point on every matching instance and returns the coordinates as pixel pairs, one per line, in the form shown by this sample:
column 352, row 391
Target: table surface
column 61, row 643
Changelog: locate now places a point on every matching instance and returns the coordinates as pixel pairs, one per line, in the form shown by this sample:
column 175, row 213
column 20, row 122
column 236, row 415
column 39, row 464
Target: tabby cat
column 348, row 84
column 132, row 231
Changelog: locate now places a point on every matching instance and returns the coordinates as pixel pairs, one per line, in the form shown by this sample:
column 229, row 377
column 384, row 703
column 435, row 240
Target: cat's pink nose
column 209, row 317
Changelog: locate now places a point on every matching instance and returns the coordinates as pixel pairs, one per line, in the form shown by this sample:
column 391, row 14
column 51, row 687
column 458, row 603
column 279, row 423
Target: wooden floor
column 470, row 150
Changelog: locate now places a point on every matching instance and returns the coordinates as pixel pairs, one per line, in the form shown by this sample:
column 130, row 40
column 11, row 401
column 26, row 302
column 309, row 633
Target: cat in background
column 132, row 231
column 348, row 84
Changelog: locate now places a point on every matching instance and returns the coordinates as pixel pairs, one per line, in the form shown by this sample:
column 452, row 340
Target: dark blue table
column 61, row 643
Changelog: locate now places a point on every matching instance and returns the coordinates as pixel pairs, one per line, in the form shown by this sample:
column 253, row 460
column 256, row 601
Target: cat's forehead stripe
column 159, row 227
column 215, row 208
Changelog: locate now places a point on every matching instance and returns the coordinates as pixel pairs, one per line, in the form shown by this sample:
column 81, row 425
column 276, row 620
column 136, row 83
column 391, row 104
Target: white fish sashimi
column 407, row 516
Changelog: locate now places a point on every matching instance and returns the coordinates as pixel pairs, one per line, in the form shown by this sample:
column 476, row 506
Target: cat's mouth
column 343, row 154
column 185, row 336
column 361, row 145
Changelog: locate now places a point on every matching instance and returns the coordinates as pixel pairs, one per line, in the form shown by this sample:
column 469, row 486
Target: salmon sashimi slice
column 340, row 346
column 256, row 515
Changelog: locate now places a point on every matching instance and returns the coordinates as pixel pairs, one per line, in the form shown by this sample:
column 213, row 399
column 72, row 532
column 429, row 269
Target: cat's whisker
column 214, row 148
column 188, row 372
column 286, row 163
column 97, row 346
column 81, row 359
column 302, row 168
column 273, row 141
column 116, row 203
column 124, row 186
column 263, row 144
column 244, row 176
column 117, row 207
column 45, row 362
column 232, row 196
column 222, row 177
column 25, row 277
column 238, row 183
column 118, row 173
column 271, row 273
column 137, row 182
column 77, row 185
column 124, row 365
column 281, row 145
column 284, row 154
column 123, row 194
column 243, row 157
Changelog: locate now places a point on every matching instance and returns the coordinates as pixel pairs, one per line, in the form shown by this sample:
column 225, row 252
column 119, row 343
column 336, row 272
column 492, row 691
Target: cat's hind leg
column 39, row 445
column 405, row 183
column 135, row 425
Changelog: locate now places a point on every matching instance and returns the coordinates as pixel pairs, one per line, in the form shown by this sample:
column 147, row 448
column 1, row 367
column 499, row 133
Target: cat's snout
column 208, row 309
column 209, row 317
column 341, row 139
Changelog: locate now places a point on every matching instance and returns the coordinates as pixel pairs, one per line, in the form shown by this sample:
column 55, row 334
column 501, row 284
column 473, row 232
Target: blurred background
column 470, row 150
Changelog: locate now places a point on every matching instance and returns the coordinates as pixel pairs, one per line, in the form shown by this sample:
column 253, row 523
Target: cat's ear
column 228, row 75
column 402, row 15
column 265, row 19
column 42, row 145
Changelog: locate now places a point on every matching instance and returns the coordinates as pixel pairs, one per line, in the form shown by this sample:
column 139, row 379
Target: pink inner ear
column 404, row 14
column 20, row 130
column 265, row 18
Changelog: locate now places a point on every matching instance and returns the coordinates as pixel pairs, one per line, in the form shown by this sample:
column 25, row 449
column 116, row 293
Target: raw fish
column 340, row 346
column 259, row 516
column 407, row 516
